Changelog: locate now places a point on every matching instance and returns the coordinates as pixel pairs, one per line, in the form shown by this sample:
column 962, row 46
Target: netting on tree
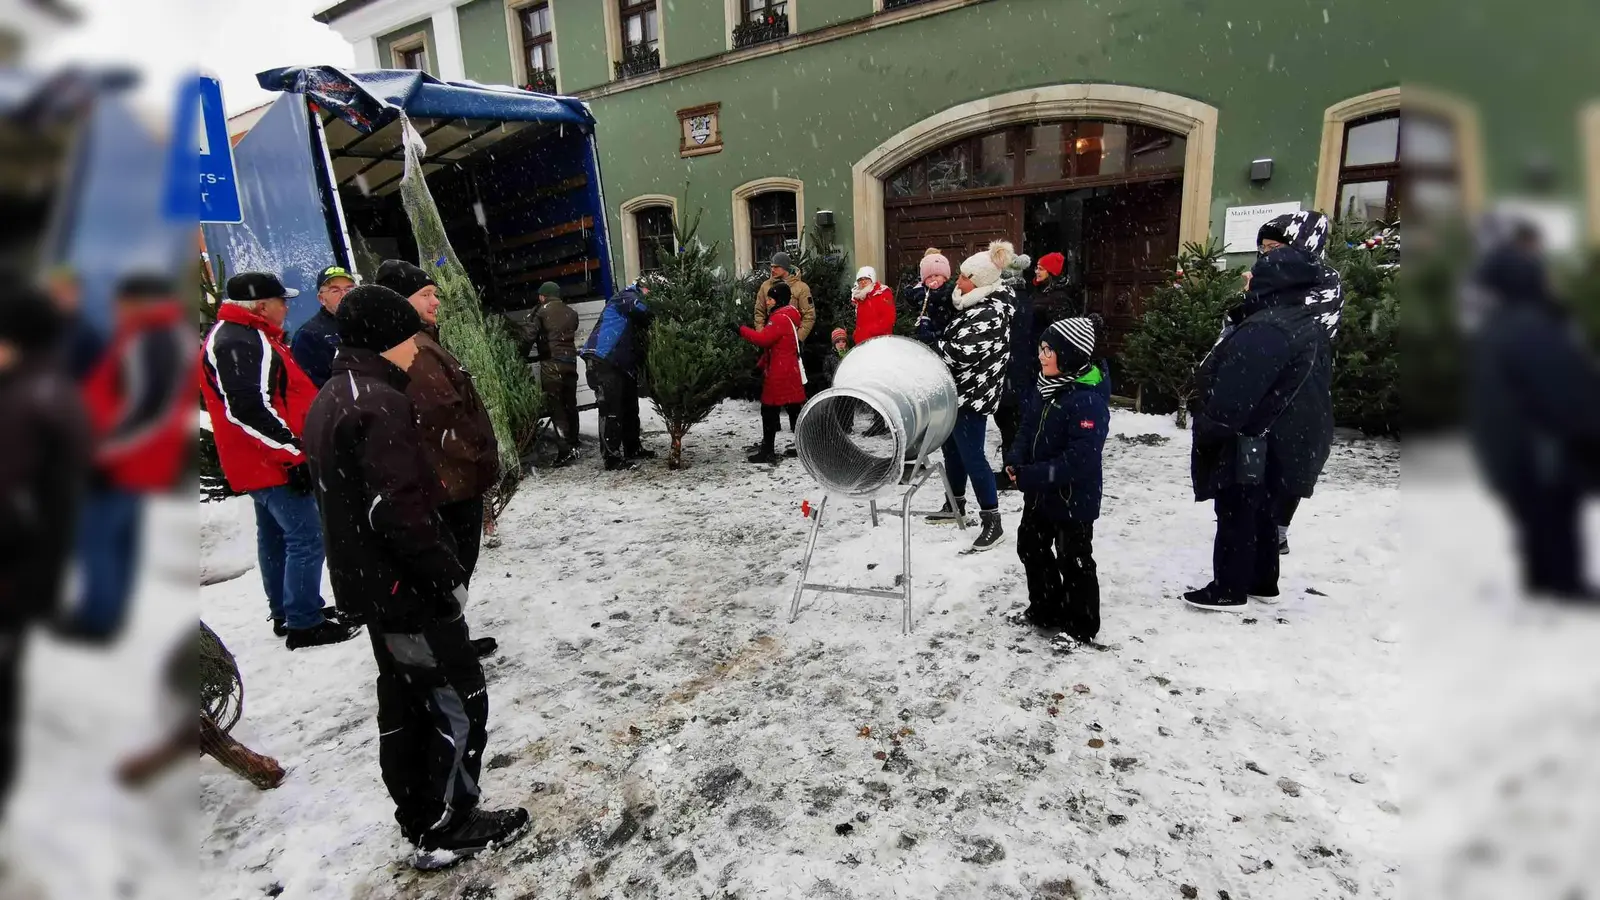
column 480, row 341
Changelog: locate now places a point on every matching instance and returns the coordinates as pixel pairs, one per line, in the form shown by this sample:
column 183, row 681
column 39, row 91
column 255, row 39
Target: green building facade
column 1111, row 129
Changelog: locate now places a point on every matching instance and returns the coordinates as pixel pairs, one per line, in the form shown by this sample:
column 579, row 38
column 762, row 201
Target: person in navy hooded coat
column 1263, row 425
column 1055, row 461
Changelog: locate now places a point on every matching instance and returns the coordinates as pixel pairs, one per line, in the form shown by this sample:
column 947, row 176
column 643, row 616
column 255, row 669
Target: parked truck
column 515, row 176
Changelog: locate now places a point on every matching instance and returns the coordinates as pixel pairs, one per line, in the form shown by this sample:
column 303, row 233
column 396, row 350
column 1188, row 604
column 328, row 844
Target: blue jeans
column 108, row 556
column 289, row 552
column 964, row 458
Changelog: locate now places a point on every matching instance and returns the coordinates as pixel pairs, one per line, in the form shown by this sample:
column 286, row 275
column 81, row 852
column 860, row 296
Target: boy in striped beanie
column 1055, row 462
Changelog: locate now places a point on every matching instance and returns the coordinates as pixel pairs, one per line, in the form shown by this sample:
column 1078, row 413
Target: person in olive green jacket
column 799, row 295
column 553, row 331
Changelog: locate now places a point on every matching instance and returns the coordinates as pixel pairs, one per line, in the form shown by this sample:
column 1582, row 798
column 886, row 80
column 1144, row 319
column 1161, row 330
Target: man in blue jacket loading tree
column 1263, row 424
column 1055, row 462
column 613, row 357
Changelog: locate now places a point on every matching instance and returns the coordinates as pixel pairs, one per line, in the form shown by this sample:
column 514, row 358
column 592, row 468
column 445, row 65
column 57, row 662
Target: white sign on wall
column 1242, row 223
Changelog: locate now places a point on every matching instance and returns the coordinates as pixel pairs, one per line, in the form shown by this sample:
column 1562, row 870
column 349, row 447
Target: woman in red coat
column 874, row 304
column 783, row 388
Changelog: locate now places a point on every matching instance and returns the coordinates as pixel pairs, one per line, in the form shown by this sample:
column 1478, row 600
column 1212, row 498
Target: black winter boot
column 1215, row 598
column 476, row 832
column 329, row 632
column 992, row 530
column 946, row 515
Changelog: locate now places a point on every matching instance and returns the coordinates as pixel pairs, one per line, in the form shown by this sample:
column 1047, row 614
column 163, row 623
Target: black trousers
column 1008, row 418
column 464, row 522
column 560, row 388
column 13, row 646
column 1283, row 510
column 1063, row 581
column 1244, row 558
column 618, row 396
column 771, row 422
column 432, row 712
column 1549, row 526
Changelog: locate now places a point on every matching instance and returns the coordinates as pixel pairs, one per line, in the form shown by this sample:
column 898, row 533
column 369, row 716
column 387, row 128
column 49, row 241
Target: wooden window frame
column 627, row 10
column 399, row 47
column 758, row 232
column 546, row 40
column 1365, row 174
column 743, row 239
column 519, row 63
column 630, row 229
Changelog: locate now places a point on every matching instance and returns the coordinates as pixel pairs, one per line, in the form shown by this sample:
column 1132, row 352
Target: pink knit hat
column 935, row 263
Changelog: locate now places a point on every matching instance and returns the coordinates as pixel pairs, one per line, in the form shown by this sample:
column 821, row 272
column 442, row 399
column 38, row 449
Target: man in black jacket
column 1265, row 420
column 394, row 567
column 316, row 340
column 1535, row 391
column 43, row 462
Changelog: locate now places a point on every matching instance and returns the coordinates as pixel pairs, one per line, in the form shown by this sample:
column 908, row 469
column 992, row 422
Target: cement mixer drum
column 892, row 400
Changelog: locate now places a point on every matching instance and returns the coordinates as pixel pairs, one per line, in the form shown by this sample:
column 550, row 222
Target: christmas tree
column 1366, row 362
column 695, row 355
column 1181, row 323
column 481, row 342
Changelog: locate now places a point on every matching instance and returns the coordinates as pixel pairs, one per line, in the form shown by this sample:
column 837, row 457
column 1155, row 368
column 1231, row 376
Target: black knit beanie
column 373, row 317
column 402, row 277
column 779, row 294
column 27, row 317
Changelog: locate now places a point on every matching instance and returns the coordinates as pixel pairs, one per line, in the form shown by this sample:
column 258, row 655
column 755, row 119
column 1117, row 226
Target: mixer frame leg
column 919, row 477
column 805, row 567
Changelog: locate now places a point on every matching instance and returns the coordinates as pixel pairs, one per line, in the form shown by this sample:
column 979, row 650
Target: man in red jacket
column 874, row 304
column 257, row 398
column 140, row 399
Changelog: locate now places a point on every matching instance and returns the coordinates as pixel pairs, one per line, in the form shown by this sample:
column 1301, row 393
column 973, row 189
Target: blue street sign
column 201, row 183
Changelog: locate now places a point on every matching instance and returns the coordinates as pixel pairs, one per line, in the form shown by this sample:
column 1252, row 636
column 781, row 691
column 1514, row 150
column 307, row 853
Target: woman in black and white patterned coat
column 976, row 347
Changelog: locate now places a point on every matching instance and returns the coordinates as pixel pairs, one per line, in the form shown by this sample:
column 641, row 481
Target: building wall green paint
column 485, row 49
column 581, row 44
column 692, row 29
column 386, row 41
column 814, row 14
column 811, row 113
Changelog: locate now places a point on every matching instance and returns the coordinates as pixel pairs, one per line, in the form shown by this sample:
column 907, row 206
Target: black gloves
column 300, row 478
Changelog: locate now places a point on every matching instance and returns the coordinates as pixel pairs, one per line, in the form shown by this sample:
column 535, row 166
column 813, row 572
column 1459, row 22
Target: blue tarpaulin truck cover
column 316, row 171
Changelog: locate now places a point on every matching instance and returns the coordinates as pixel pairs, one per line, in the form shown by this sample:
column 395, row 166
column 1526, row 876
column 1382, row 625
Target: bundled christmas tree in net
column 479, row 340
column 695, row 354
column 1181, row 323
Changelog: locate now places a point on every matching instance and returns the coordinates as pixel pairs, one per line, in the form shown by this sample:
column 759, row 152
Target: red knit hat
column 839, row 334
column 1053, row 263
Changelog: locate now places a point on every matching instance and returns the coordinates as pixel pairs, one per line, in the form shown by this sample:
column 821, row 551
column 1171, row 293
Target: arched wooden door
column 1107, row 195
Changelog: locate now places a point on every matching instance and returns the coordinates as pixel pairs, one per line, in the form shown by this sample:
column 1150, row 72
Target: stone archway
column 1196, row 121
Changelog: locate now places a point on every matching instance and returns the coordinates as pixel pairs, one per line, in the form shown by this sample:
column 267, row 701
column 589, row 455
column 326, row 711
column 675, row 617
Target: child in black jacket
column 1055, row 462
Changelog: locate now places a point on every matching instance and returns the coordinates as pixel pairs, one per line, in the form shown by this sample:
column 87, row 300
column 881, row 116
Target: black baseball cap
column 332, row 272
column 248, row 287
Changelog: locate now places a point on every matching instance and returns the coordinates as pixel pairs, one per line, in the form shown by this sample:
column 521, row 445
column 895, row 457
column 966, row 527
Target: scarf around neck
column 1050, row 386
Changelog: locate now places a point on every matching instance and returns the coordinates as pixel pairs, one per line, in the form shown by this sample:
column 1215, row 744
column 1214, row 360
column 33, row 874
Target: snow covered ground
column 674, row 737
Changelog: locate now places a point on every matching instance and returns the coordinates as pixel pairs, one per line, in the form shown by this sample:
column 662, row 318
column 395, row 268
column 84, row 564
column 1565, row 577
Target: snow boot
column 328, row 632
column 763, row 456
column 946, row 515
column 640, row 453
column 476, row 832
column 280, row 628
column 1214, row 598
column 1283, row 541
column 564, row 459
column 992, row 530
column 485, row 646
column 618, row 465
